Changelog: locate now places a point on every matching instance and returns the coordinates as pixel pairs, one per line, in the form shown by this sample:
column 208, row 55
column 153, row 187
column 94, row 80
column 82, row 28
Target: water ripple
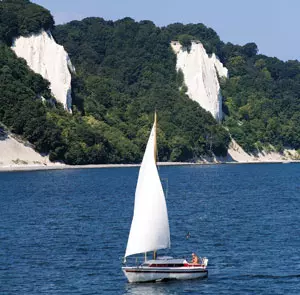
column 65, row 232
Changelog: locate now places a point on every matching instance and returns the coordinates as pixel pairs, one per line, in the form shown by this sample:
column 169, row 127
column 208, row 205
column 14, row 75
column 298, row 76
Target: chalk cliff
column 45, row 57
column 237, row 154
column 14, row 152
column 201, row 73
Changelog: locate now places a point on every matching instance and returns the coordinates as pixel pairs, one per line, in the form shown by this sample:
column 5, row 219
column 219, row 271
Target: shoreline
column 24, row 168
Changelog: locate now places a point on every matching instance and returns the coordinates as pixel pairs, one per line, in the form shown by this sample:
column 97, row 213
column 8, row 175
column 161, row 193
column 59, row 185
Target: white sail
column 150, row 225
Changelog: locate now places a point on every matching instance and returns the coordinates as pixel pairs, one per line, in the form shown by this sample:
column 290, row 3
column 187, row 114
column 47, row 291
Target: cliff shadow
column 3, row 134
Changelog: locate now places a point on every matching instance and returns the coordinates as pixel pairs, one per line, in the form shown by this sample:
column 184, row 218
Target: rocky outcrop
column 15, row 152
column 201, row 73
column 45, row 57
column 237, row 154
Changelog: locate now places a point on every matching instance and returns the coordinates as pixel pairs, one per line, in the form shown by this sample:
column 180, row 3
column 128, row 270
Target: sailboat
column 150, row 229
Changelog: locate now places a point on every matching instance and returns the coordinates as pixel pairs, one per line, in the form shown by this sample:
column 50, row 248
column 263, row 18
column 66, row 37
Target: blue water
column 65, row 232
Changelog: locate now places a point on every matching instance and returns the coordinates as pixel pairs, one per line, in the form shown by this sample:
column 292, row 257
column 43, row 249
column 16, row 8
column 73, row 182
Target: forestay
column 150, row 225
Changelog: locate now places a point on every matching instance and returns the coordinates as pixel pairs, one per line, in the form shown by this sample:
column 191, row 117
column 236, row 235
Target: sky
column 272, row 24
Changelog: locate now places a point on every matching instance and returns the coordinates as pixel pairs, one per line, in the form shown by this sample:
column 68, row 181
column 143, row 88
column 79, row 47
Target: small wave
column 261, row 276
column 254, row 276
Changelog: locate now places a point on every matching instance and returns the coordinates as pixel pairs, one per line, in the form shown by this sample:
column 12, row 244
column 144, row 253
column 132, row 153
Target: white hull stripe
column 166, row 271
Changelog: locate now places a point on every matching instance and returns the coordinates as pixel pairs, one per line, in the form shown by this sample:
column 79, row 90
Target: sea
column 65, row 231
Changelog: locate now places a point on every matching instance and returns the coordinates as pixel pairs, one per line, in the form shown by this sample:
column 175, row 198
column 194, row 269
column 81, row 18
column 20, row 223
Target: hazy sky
column 272, row 24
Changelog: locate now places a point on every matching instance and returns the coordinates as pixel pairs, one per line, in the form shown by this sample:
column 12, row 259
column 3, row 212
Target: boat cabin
column 168, row 262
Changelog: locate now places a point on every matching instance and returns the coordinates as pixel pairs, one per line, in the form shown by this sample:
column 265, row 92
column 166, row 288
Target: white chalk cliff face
column 45, row 57
column 201, row 76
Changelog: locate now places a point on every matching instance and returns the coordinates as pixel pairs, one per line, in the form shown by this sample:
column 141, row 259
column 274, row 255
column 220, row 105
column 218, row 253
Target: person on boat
column 195, row 259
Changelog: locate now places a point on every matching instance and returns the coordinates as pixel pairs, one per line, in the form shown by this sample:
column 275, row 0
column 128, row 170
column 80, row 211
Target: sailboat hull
column 147, row 274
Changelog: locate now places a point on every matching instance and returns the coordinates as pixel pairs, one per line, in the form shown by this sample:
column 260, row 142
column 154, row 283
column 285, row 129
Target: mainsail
column 150, row 225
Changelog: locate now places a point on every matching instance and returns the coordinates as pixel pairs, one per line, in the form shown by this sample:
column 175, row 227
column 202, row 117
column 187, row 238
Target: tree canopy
column 21, row 17
column 125, row 70
column 262, row 99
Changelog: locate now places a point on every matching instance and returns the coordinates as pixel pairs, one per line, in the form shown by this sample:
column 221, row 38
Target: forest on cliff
column 124, row 71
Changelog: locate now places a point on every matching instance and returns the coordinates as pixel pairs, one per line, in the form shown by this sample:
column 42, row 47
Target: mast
column 155, row 137
column 155, row 155
column 155, row 160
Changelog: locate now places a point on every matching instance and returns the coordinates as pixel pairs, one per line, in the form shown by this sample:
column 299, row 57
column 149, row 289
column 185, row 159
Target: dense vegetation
column 126, row 70
column 262, row 99
column 21, row 17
